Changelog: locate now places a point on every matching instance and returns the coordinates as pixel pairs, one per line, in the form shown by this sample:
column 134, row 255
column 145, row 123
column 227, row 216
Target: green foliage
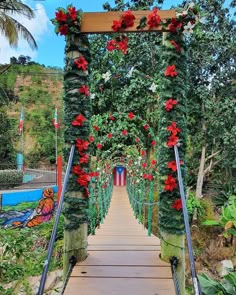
column 194, row 204
column 25, row 250
column 214, row 287
column 10, row 178
column 227, row 218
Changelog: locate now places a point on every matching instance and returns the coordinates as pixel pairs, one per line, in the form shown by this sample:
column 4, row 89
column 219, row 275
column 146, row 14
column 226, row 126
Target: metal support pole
column 196, row 285
column 54, row 230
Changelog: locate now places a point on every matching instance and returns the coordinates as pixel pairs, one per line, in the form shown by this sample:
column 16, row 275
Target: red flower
column 94, row 174
column 99, row 146
column 174, row 25
column 177, row 205
column 170, row 104
column 77, row 170
column 111, row 117
column 117, row 25
column 95, row 127
column 63, row 30
column 172, row 165
column 60, row 16
column 144, row 164
column 153, row 162
column 148, row 176
column 91, row 138
column 172, row 141
column 131, row 115
column 173, row 128
column 82, row 144
column 123, row 45
column 79, row 120
column 153, row 143
column 170, row 183
column 111, row 45
column 171, row 71
column 109, row 135
column 124, row 132
column 72, row 13
column 128, row 19
column 153, row 19
column 84, row 90
column 84, row 158
column 136, row 139
column 81, row 63
column 177, row 47
column 83, row 179
column 143, row 153
column 146, row 126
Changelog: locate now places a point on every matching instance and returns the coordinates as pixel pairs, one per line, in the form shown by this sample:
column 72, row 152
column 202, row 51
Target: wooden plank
column 122, row 272
column 119, row 286
column 101, row 22
column 123, row 248
column 149, row 258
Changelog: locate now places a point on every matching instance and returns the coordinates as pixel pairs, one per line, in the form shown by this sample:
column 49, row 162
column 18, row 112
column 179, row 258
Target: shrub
column 10, row 178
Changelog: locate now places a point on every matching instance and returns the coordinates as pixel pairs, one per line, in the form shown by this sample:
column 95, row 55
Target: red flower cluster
column 109, row 135
column 146, row 126
column 81, row 63
column 63, row 18
column 170, row 183
column 79, row 120
column 171, row 71
column 173, row 138
column 153, row 143
column 144, row 164
column 83, row 178
column 94, row 174
column 148, row 176
column 111, row 117
column 82, row 144
column 177, row 204
column 143, row 153
column 170, row 104
column 172, row 165
column 153, row 19
column 84, row 90
column 99, row 146
column 126, row 21
column 174, row 25
column 121, row 43
column 91, row 138
column 177, row 47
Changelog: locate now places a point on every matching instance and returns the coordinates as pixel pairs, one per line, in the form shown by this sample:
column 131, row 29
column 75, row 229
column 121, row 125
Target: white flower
column 153, row 87
column 182, row 13
column 135, row 163
column 130, row 72
column 137, row 180
column 191, row 5
column 188, row 29
column 139, row 158
column 92, row 95
column 106, row 76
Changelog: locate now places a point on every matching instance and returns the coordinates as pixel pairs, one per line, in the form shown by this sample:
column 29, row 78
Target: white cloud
column 38, row 27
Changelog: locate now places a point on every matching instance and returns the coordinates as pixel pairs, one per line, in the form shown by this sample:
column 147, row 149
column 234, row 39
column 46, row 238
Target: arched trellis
column 172, row 124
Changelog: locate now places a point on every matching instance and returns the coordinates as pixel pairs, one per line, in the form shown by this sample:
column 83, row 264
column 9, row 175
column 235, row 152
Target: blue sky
column 50, row 46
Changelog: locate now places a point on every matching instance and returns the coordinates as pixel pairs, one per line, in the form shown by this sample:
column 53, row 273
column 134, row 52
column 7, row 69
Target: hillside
column 36, row 90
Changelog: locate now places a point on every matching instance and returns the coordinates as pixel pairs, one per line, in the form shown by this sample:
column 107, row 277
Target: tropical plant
column 12, row 28
column 214, row 287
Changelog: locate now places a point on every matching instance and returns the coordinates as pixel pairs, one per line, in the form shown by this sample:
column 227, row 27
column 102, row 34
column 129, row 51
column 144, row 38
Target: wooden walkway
column 122, row 259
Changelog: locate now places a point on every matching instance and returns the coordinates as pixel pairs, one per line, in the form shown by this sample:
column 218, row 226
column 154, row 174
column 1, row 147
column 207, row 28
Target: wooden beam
column 101, row 22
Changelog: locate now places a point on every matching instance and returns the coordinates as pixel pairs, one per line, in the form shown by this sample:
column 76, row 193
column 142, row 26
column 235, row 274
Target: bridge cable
column 174, row 263
column 196, row 285
column 54, row 230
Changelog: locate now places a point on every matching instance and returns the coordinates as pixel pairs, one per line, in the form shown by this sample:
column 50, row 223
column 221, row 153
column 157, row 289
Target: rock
column 52, row 279
column 224, row 267
column 58, row 288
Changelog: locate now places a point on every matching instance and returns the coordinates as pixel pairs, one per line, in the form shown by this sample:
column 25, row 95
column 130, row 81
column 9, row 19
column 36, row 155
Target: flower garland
column 77, row 114
column 184, row 22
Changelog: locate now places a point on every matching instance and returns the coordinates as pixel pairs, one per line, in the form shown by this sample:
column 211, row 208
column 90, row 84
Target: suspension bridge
column 122, row 258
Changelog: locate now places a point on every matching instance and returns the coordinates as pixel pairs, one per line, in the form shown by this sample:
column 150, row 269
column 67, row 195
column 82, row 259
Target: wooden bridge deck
column 122, row 259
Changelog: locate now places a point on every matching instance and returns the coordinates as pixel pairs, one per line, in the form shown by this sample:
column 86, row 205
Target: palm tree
column 10, row 27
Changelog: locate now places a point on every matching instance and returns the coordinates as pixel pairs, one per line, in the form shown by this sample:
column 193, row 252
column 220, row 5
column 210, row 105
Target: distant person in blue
column 42, row 213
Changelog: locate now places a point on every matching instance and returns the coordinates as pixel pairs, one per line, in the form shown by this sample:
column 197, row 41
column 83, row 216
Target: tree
column 10, row 27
